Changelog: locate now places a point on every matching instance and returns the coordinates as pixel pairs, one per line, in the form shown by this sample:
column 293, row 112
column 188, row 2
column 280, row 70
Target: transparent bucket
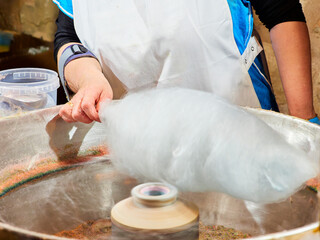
column 27, row 89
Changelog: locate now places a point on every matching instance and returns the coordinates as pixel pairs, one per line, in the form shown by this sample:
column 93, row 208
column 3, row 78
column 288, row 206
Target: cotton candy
column 199, row 142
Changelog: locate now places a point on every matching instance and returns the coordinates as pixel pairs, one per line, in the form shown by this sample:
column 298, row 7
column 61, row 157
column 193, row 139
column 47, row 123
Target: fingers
column 103, row 98
column 88, row 105
column 84, row 106
column 92, row 99
column 66, row 113
column 77, row 112
column 72, row 111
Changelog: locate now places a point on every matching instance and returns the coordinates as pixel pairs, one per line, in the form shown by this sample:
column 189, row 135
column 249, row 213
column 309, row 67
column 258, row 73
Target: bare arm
column 84, row 77
column 291, row 44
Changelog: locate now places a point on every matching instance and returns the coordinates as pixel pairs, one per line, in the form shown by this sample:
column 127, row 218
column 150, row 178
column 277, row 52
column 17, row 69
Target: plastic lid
column 26, row 81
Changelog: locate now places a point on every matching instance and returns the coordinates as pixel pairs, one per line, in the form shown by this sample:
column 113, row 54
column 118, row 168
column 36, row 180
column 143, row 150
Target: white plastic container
column 27, row 89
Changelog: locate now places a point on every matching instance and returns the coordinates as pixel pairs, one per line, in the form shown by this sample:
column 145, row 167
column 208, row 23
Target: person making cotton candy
column 102, row 46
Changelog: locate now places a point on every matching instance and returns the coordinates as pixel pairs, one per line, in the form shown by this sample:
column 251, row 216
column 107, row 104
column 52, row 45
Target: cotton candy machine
column 56, row 176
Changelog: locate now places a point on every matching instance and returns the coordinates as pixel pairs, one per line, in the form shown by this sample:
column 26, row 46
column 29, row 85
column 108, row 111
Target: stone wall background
column 311, row 10
column 32, row 17
column 37, row 18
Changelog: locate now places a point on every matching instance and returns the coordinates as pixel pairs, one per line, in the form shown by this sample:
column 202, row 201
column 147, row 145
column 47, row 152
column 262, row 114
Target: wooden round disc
column 171, row 218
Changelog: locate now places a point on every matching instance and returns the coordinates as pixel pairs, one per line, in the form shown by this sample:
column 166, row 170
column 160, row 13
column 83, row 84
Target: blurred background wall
column 32, row 17
column 32, row 23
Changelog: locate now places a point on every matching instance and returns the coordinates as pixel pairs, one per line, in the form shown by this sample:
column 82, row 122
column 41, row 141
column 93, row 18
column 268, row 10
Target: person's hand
column 84, row 77
column 85, row 104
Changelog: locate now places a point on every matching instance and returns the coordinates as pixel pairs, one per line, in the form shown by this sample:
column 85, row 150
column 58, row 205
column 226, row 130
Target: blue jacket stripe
column 65, row 6
column 262, row 86
column 242, row 19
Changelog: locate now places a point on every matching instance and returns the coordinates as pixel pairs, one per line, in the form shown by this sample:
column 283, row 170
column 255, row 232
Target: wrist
column 302, row 109
column 96, row 79
column 81, row 72
column 306, row 116
column 314, row 120
column 70, row 53
column 90, row 79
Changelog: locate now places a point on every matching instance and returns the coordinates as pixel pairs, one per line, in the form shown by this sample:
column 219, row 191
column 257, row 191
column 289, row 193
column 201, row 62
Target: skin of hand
column 84, row 77
column 291, row 45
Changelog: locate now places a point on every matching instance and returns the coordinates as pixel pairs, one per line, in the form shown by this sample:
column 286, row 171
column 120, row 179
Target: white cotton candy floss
column 199, row 142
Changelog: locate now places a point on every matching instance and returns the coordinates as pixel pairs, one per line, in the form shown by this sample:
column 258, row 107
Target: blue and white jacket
column 241, row 12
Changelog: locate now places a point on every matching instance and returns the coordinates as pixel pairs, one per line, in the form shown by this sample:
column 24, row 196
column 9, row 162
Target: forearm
column 83, row 75
column 85, row 78
column 291, row 44
column 81, row 72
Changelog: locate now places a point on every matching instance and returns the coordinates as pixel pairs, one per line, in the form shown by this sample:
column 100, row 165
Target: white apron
column 187, row 43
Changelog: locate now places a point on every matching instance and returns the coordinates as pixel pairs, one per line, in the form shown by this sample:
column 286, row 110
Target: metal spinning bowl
column 62, row 200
